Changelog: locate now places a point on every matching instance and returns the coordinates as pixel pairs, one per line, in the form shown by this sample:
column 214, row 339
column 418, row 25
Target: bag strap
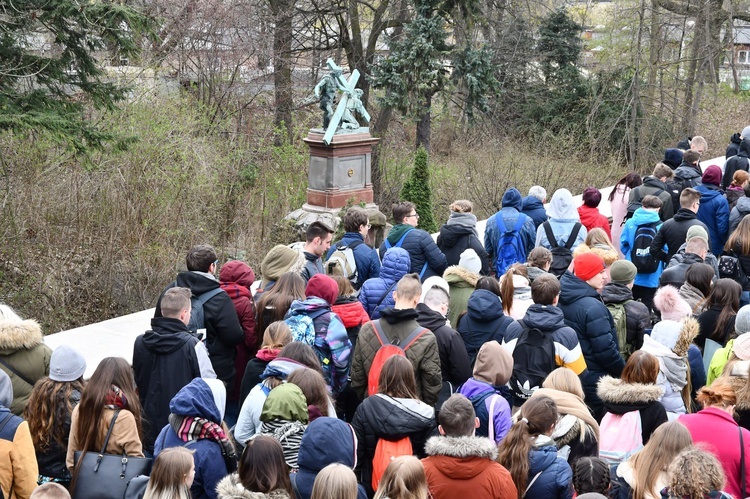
column 491, row 421
column 385, row 294
column 573, row 235
column 424, row 269
column 388, row 244
column 742, row 464
column 19, row 375
column 109, row 431
column 531, row 483
column 203, row 298
column 9, row 416
column 519, row 223
column 413, row 336
column 382, row 338
column 500, row 223
column 551, row 235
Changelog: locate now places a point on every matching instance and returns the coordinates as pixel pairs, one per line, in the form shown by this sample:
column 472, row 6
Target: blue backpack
column 510, row 248
column 398, row 244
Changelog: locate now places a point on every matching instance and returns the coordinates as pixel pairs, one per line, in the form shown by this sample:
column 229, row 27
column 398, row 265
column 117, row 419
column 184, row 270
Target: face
column 364, row 229
column 598, row 281
column 412, row 219
column 321, row 245
column 190, row 476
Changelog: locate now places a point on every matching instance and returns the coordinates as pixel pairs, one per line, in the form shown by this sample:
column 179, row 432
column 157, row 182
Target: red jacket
column 351, row 312
column 720, row 434
column 590, row 218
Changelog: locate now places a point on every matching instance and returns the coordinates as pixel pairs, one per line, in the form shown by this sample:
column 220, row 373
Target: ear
column 441, row 430
column 476, row 423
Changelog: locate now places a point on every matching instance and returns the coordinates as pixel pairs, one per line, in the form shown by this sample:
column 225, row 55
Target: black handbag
column 106, row 476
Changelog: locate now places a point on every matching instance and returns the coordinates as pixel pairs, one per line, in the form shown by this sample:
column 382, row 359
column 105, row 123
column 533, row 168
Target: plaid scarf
column 115, row 399
column 190, row 428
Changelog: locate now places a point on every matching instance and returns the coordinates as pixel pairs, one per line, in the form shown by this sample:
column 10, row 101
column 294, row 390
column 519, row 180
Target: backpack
column 561, row 255
column 637, row 203
column 510, row 247
column 640, row 254
column 398, row 244
column 385, row 452
column 342, row 262
column 302, row 328
column 621, row 325
column 388, row 349
column 197, row 317
column 533, row 360
column 620, row 436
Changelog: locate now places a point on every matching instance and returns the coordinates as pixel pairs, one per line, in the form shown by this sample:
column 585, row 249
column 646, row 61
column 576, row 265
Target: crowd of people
column 557, row 354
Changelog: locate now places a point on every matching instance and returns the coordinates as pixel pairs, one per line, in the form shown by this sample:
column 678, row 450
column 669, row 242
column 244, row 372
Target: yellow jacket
column 18, row 468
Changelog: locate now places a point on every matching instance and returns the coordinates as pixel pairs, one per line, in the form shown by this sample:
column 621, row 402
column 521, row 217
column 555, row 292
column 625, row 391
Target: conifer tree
column 417, row 190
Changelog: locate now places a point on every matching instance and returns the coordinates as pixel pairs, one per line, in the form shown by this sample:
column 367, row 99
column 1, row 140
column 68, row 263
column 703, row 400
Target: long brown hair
column 739, row 240
column 538, row 415
column 274, row 303
column 725, row 295
column 397, row 378
column 48, row 411
column 167, row 479
column 665, row 443
column 507, row 288
column 313, row 386
column 263, row 468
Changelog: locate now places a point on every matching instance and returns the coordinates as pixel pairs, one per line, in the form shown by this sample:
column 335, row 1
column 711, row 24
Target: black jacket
column 164, row 361
column 483, row 321
column 637, row 316
column 254, row 369
column 52, row 461
column 734, row 146
column 735, row 163
column 673, row 233
column 223, row 329
column 455, row 239
column 675, row 276
column 708, row 321
column 652, row 186
column 454, row 361
column 313, row 265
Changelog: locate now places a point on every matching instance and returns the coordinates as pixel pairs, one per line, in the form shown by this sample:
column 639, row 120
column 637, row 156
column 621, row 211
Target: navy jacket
column 483, row 321
column 714, row 212
column 366, row 258
column 738, row 161
column 534, row 209
column 396, row 265
column 556, row 478
column 421, row 249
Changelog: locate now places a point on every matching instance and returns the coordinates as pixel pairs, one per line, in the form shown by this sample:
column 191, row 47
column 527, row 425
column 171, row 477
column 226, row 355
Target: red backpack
column 385, row 452
column 388, row 349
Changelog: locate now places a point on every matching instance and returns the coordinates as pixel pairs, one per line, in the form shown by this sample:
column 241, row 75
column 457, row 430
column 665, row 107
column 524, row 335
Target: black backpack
column 561, row 255
column 533, row 360
column 637, row 203
column 640, row 254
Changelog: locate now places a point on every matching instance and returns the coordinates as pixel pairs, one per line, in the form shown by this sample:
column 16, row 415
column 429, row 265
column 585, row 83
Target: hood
column 397, row 231
column 166, row 335
column 588, row 215
column 431, row 319
column 396, row 264
column 230, row 487
column 652, row 181
column 493, row 365
column 285, row 402
column 708, row 192
column 643, row 216
column 23, row 335
column 744, row 149
column 546, row 318
column 198, row 282
column 322, row 286
column 684, row 214
column 196, row 399
column 461, row 447
column 574, row 289
column 450, row 235
column 460, row 277
column 625, row 397
column 512, row 199
column 395, row 418
column 278, row 261
column 473, row 387
column 743, row 205
column 326, row 441
column 562, row 206
column 6, row 390
column 484, row 305
column 305, row 307
column 530, row 203
column 238, row 272
column 688, row 172
column 614, row 292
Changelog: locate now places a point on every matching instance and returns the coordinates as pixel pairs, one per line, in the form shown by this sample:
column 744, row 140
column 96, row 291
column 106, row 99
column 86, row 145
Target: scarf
column 288, row 434
column 671, row 365
column 190, row 428
column 280, row 368
column 567, row 403
column 268, row 354
column 464, row 220
column 115, row 399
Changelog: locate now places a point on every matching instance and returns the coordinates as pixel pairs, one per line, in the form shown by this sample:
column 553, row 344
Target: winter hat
column 6, row 390
column 670, row 304
column 286, row 402
column 745, row 132
column 280, row 260
column 742, row 320
column 591, row 197
column 494, row 364
column 672, row 158
column 623, row 271
column 712, row 175
column 323, row 287
column 434, row 282
column 66, row 364
column 741, row 347
column 470, row 261
column 587, row 265
column 741, row 368
column 512, row 199
column 667, row 333
column 696, row 231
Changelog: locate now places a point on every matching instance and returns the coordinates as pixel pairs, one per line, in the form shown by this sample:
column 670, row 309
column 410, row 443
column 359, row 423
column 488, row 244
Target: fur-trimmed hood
column 616, row 391
column 606, row 253
column 23, row 335
column 231, row 488
column 459, row 276
column 690, row 329
column 461, row 447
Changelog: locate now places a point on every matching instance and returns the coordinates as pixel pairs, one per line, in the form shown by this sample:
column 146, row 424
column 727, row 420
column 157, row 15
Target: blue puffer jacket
column 421, row 248
column 366, row 258
column 396, row 265
column 641, row 216
column 484, row 321
column 326, row 441
column 556, row 478
column 196, row 399
column 533, row 208
column 714, row 212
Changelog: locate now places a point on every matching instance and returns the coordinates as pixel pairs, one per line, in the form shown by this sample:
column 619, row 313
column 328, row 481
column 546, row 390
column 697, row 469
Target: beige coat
column 124, row 436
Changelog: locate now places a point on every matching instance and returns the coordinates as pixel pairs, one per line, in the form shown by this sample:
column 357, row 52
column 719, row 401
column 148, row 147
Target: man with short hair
column 645, row 283
column 356, row 225
column 533, row 205
column 655, row 185
column 426, row 258
column 397, row 323
column 509, row 220
column 223, row 329
column 458, row 462
column 688, row 174
column 673, row 232
column 318, row 237
column 695, row 252
column 709, row 259
column 165, row 359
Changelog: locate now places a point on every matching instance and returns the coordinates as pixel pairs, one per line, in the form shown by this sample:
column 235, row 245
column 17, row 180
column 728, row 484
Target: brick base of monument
column 335, row 198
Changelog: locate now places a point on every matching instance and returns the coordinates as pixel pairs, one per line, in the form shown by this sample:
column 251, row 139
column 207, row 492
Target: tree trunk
column 424, row 125
column 282, row 66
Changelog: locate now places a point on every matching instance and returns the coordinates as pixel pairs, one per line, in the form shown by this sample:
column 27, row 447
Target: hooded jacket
column 555, row 476
column 739, row 211
column 456, row 465
column 563, row 216
column 197, row 400
column 685, row 176
column 637, row 315
column 510, row 213
column 641, row 217
column 377, row 293
column 673, row 233
column 423, row 353
column 231, row 488
column 164, row 361
column 285, row 416
column 365, row 257
column 534, row 208
column 236, row 279
column 18, row 468
column 22, row 348
column 592, row 219
column 454, row 361
column 620, row 398
column 279, row 260
column 223, row 329
column 326, row 441
column 420, row 247
column 714, row 213
column 736, row 162
column 461, row 284
column 455, row 238
column 484, row 321
column 734, row 145
column 389, row 418
column 652, row 186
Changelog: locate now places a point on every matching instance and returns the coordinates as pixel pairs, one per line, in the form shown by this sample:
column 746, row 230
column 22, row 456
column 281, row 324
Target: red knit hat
column 323, row 287
column 587, row 265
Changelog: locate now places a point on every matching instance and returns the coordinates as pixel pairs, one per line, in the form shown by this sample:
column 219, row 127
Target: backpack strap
column 424, row 269
column 379, row 333
column 7, row 419
column 742, row 464
column 398, row 244
column 573, row 235
column 500, row 223
column 491, row 419
column 109, row 432
column 386, row 294
column 413, row 337
column 531, row 483
column 551, row 235
column 203, row 298
column 519, row 223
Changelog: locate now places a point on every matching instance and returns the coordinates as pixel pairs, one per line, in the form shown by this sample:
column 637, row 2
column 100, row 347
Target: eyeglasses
column 216, row 263
column 412, row 215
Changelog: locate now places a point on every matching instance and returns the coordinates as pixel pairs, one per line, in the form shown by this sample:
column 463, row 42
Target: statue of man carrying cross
column 349, row 102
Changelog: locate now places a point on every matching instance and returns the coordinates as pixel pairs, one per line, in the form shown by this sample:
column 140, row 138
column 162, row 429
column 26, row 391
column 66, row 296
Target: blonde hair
column 404, row 478
column 667, row 441
column 167, row 481
column 599, row 244
column 694, row 473
column 335, row 481
column 462, row 206
column 564, row 380
column 277, row 335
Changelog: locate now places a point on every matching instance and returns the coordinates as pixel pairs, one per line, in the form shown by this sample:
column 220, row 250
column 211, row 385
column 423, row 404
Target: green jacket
column 718, row 361
column 22, row 348
column 461, row 283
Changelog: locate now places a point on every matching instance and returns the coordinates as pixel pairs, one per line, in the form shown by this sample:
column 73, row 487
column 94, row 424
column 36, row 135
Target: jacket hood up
column 562, row 206
column 460, row 277
column 326, row 441
column 708, row 192
column 396, row 264
column 484, row 305
column 286, row 402
column 23, row 335
column 744, row 148
column 494, row 364
column 512, row 199
column 196, row 399
column 620, row 397
column 237, row 271
column 688, row 172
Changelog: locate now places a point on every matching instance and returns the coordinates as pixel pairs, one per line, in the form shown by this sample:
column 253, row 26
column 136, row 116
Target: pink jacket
column 720, row 434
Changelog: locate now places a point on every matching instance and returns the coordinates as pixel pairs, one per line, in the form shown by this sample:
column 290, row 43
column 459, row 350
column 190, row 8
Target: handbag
column 106, row 476
column 729, row 267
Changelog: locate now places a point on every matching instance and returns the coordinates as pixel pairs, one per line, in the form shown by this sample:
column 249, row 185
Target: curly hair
column 48, row 411
column 591, row 474
column 694, row 473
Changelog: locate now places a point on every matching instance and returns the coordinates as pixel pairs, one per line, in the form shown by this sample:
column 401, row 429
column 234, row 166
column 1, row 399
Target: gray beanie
column 66, row 364
column 746, row 132
column 6, row 390
column 742, row 320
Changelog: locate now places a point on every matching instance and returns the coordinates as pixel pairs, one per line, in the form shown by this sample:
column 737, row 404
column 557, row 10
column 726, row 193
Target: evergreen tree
column 417, row 190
